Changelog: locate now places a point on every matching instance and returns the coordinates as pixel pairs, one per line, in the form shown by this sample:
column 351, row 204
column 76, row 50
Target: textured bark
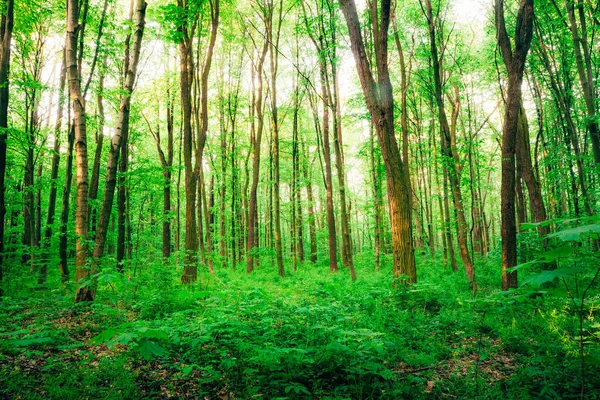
column 84, row 292
column 514, row 60
column 380, row 102
column 523, row 157
column 190, row 268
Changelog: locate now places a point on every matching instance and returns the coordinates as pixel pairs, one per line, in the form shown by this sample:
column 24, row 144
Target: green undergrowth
column 310, row 335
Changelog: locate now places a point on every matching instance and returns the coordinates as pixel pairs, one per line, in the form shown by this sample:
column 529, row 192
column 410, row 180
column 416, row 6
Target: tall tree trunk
column 514, row 60
column 523, row 158
column 312, row 218
column 380, row 102
column 94, row 182
column 121, row 130
column 53, row 175
column 585, row 71
column 6, row 27
column 447, row 145
column 255, row 143
column 273, row 51
column 376, row 183
column 332, row 238
column 186, row 33
column 85, row 292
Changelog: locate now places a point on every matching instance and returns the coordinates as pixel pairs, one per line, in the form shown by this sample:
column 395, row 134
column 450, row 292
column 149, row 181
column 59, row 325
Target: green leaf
column 558, row 252
column 28, row 341
column 149, row 349
column 532, row 225
column 524, row 265
column 104, row 336
column 572, row 234
column 549, row 276
column 145, row 332
column 188, row 369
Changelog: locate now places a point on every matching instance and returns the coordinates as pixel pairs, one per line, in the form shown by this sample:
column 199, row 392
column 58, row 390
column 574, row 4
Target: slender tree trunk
column 449, row 156
column 121, row 131
column 523, row 157
column 312, row 224
column 514, row 60
column 53, row 175
column 258, row 112
column 94, row 182
column 273, row 49
column 6, row 27
column 585, row 72
column 375, row 178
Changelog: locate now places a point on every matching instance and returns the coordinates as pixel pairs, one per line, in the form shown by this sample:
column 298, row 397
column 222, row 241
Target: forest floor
column 310, row 335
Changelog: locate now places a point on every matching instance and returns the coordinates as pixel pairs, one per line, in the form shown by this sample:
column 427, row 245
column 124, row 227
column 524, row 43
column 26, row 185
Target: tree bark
column 53, row 175
column 380, row 102
column 121, row 131
column 448, row 147
column 6, row 28
column 84, row 292
column 255, row 143
column 514, row 60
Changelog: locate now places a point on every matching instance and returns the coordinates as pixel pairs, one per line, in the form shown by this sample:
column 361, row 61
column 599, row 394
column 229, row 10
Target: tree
column 121, row 130
column 380, row 102
column 6, row 27
column 448, row 147
column 85, row 292
column 514, row 61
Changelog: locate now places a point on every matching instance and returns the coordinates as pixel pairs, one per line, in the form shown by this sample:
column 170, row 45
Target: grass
column 310, row 335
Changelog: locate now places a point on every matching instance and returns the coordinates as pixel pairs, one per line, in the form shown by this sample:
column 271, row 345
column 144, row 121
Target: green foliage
column 312, row 335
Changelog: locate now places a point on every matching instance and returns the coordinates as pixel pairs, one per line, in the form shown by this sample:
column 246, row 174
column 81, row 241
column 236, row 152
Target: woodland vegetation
column 299, row 199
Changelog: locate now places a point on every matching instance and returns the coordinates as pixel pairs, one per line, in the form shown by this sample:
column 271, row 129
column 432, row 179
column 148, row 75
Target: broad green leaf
column 558, row 252
column 149, row 349
column 145, row 332
column 524, row 265
column 28, row 341
column 548, row 276
column 104, row 336
column 572, row 234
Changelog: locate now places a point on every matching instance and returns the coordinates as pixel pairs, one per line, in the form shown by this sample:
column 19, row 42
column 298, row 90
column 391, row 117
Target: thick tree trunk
column 380, row 102
column 190, row 268
column 85, row 292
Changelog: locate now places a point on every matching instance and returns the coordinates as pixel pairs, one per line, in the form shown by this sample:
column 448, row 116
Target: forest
column 294, row 199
